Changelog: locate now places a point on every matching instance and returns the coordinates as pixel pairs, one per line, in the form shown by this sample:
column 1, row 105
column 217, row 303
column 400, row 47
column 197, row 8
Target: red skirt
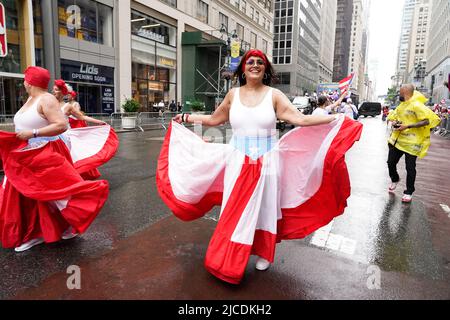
column 43, row 194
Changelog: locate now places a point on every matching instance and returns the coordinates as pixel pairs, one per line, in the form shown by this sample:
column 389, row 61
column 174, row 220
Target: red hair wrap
column 62, row 86
column 37, row 77
column 254, row 53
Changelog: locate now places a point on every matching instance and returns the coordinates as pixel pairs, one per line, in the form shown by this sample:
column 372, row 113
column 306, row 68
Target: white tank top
column 30, row 119
column 259, row 121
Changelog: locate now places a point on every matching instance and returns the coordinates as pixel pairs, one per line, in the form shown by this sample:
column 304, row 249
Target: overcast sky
column 385, row 25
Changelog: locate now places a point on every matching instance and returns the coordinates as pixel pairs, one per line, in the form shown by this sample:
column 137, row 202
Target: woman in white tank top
column 261, row 183
column 71, row 109
column 42, row 198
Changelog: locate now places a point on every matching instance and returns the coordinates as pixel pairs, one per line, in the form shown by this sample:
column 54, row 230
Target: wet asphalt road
column 379, row 249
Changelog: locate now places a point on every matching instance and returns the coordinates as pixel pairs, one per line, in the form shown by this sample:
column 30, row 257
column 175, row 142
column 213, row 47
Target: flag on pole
column 345, row 83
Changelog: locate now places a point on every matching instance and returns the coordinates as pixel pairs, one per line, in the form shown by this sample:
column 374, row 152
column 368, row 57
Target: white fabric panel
column 87, row 142
column 61, row 204
column 195, row 167
column 261, row 210
column 232, row 171
column 302, row 155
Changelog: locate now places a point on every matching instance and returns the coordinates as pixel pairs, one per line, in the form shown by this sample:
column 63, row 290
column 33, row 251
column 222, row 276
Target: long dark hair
column 269, row 75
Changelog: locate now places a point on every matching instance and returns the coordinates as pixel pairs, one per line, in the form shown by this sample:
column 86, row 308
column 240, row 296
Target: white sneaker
column 392, row 187
column 407, row 198
column 262, row 264
column 30, row 244
column 69, row 234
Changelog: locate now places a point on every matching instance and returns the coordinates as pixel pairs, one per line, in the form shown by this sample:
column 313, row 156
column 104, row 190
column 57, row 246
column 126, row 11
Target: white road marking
column 323, row 238
column 446, row 209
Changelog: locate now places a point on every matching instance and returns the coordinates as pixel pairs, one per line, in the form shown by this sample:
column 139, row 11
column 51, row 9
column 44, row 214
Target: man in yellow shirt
column 412, row 122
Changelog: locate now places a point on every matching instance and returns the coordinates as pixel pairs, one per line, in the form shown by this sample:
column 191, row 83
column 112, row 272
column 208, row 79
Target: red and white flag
column 3, row 41
column 345, row 83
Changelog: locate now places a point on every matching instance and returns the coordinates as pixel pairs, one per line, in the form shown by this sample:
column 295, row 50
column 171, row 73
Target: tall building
column 438, row 51
column 405, row 35
column 356, row 58
column 327, row 38
column 342, row 39
column 420, row 33
column 296, row 45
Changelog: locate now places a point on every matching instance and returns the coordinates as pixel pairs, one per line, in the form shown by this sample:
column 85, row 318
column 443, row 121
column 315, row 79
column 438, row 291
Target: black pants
column 410, row 161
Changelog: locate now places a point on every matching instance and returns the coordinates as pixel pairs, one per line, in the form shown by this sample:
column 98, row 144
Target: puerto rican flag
column 297, row 187
column 345, row 83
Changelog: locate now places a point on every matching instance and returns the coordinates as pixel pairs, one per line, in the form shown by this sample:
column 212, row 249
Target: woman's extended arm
column 220, row 116
column 74, row 111
column 287, row 112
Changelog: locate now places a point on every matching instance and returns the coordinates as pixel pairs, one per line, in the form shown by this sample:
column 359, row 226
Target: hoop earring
column 266, row 76
column 243, row 76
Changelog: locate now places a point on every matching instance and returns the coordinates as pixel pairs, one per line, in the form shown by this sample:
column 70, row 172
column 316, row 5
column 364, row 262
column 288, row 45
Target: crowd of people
column 443, row 112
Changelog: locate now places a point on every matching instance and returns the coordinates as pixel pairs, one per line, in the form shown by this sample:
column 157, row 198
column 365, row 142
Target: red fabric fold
column 36, row 180
column 103, row 156
column 184, row 211
column 331, row 199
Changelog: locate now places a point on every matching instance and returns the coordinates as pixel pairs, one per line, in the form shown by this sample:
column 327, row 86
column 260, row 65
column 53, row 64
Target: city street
column 136, row 249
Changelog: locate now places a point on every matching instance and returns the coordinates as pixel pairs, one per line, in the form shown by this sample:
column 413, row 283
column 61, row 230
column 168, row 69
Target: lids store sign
column 83, row 72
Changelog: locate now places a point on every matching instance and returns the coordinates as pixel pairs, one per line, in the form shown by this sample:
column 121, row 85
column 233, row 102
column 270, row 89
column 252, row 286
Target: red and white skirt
column 43, row 193
column 289, row 190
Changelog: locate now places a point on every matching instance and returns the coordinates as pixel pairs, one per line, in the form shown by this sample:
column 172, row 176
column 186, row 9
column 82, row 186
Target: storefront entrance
column 12, row 95
column 89, row 98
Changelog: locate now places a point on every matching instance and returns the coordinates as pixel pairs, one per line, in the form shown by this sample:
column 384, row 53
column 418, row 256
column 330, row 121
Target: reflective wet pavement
column 137, row 250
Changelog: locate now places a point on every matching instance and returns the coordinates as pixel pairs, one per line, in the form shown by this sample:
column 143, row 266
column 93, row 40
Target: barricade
column 7, row 122
column 106, row 117
column 124, row 120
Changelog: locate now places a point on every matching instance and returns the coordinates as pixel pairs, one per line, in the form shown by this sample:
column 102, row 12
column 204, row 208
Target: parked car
column 305, row 105
column 371, row 109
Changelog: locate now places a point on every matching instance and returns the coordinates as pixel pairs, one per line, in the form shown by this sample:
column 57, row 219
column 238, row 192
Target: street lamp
column 230, row 36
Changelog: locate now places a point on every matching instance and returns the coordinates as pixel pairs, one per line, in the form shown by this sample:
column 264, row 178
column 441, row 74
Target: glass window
column 38, row 33
column 105, row 25
column 202, row 11
column 240, row 31
column 152, row 29
column 172, row 3
column 253, row 40
column 13, row 61
column 223, row 20
column 86, row 20
column 88, row 29
column 264, row 46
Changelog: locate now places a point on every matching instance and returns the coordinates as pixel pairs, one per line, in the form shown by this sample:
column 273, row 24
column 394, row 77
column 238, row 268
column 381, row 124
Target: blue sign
column 234, row 64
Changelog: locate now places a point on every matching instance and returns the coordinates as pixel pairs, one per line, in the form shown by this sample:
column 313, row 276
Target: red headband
column 62, row 86
column 37, row 77
column 73, row 94
column 254, row 53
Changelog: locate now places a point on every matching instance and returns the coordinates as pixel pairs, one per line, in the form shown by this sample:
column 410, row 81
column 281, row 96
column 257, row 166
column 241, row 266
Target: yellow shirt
column 414, row 141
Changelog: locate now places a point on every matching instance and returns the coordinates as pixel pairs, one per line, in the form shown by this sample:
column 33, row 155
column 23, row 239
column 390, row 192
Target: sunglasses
column 251, row 62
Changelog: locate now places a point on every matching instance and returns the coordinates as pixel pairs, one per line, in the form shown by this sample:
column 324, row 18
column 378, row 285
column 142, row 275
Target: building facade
column 111, row 50
column 404, row 42
column 327, row 40
column 344, row 27
column 86, row 55
column 296, row 45
column 438, row 52
column 21, row 46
